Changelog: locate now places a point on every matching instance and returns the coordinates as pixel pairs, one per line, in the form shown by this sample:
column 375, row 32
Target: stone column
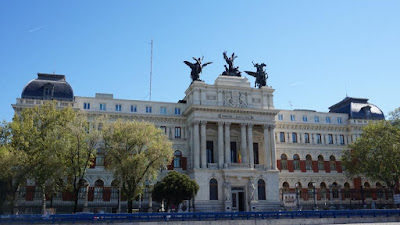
column 273, row 151
column 196, row 145
column 243, row 148
column 220, row 144
column 203, row 145
column 267, row 150
column 250, row 142
column 227, row 143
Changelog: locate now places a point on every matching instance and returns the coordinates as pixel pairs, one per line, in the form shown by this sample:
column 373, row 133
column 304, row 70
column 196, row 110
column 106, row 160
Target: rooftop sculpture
column 196, row 67
column 261, row 76
column 231, row 70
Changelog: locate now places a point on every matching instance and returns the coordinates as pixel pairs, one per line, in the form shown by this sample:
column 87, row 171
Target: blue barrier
column 150, row 217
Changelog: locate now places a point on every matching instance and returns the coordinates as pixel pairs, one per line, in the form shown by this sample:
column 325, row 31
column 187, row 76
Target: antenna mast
column 151, row 65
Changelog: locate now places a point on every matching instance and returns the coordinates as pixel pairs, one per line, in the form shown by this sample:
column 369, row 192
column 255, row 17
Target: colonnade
column 199, row 144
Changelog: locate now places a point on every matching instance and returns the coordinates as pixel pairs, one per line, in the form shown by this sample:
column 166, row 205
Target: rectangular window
column 133, row 108
column 307, row 138
column 103, row 106
column 328, row 119
column 294, row 137
column 255, row 153
column 164, row 129
column 163, row 110
column 280, row 117
column 305, row 119
column 148, row 109
column 339, row 120
column 210, row 151
column 86, row 105
column 341, row 138
column 177, row 111
column 292, row 117
column 316, row 119
column 177, row 132
column 330, row 138
column 118, row 107
column 319, row 140
column 282, row 136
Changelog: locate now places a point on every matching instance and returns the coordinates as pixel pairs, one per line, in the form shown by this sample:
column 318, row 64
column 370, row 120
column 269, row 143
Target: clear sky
column 316, row 51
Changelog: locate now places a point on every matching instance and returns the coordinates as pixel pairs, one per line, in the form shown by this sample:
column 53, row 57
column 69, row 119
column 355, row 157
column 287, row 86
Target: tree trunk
column 130, row 206
column 14, row 201
column 43, row 200
column 76, row 195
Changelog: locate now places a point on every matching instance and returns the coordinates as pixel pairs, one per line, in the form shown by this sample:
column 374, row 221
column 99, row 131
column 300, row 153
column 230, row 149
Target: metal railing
column 205, row 216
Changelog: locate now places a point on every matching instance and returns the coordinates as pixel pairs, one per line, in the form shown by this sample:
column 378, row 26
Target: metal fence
column 152, row 217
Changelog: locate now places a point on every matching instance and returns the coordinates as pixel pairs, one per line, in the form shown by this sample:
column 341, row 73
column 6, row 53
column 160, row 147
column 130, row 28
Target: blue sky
column 316, row 51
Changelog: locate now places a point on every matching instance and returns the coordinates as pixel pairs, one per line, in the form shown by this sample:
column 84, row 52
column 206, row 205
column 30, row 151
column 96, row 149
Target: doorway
column 238, row 199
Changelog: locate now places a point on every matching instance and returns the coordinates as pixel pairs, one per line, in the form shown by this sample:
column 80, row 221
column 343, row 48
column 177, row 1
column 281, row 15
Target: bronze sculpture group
column 260, row 75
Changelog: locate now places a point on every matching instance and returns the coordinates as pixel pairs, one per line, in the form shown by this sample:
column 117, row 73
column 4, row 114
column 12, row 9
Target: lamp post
column 315, row 196
column 297, row 196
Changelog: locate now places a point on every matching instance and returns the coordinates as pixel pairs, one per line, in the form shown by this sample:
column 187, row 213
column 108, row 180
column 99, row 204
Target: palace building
column 245, row 154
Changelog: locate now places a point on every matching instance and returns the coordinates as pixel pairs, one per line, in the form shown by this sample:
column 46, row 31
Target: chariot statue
column 261, row 76
column 230, row 70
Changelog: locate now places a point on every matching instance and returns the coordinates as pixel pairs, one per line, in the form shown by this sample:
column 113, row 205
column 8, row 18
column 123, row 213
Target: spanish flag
column 239, row 157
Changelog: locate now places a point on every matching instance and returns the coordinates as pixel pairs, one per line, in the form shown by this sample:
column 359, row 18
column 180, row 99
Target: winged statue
column 261, row 76
column 196, row 67
column 230, row 70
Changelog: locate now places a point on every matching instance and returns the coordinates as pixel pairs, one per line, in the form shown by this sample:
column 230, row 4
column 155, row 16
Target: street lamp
column 297, row 196
column 315, row 196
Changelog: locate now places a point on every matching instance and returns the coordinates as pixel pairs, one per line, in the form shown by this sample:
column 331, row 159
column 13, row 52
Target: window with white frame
column 118, row 107
column 328, row 119
column 177, row 111
column 86, row 105
column 294, row 137
column 177, row 132
column 103, row 106
column 164, row 129
column 316, row 119
column 319, row 139
column 133, row 108
column 341, row 139
column 307, row 138
column 292, row 117
column 280, row 117
column 148, row 109
column 339, row 120
column 305, row 119
column 330, row 138
column 163, row 110
column 282, row 136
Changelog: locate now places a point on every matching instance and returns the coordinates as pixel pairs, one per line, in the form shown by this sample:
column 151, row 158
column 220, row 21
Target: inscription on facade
column 240, row 117
column 257, row 100
column 211, row 97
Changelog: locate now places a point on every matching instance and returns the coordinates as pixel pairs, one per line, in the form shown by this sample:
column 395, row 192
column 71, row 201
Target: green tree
column 39, row 132
column 136, row 152
column 376, row 154
column 174, row 188
column 81, row 140
column 394, row 117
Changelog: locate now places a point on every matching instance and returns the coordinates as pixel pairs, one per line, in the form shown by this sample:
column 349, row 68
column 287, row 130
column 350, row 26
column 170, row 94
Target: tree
column 81, row 140
column 395, row 117
column 47, row 136
column 136, row 152
column 376, row 154
column 174, row 188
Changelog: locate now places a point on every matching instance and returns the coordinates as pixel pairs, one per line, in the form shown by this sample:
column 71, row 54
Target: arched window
column 213, row 189
column 285, row 187
column 308, row 162
column 321, row 163
column 261, row 190
column 347, row 193
column 310, row 190
column 177, row 159
column 299, row 189
column 332, row 163
column 296, row 162
column 98, row 188
column 323, row 190
column 367, row 190
column 379, row 190
column 284, row 162
column 335, row 191
column 114, row 189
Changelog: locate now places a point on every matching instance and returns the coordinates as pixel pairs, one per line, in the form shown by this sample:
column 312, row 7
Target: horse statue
column 196, row 67
column 261, row 76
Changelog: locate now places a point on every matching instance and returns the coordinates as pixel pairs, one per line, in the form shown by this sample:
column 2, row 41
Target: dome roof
column 358, row 108
column 48, row 87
